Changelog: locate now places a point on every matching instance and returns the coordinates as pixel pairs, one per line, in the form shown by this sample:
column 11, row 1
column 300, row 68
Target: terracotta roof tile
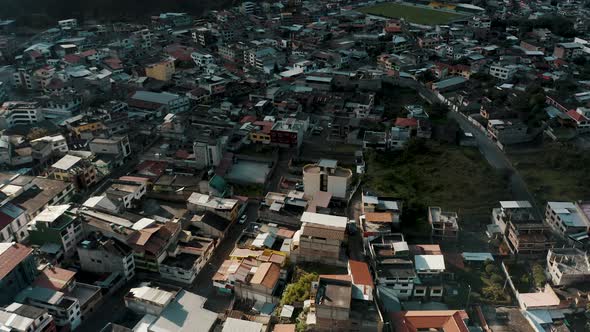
column 12, row 257
column 360, row 273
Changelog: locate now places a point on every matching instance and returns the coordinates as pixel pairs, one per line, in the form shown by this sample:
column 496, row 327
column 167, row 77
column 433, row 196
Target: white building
column 19, row 112
column 116, row 145
column 568, row 266
column 71, row 23
column 58, row 143
column 568, row 218
column 56, row 219
column 106, row 256
column 208, row 153
column 326, row 176
column 13, row 223
column 503, row 72
column 64, row 309
column 19, row 317
column 202, row 59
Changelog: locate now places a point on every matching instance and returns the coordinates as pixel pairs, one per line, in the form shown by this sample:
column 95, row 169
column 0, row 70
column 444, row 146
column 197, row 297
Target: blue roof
column 11, row 210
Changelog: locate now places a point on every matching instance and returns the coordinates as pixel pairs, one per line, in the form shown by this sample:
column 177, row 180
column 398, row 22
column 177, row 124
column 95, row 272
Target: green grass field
column 413, row 14
column 452, row 177
column 557, row 173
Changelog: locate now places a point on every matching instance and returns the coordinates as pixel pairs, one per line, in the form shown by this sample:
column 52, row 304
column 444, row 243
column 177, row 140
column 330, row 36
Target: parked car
column 243, row 219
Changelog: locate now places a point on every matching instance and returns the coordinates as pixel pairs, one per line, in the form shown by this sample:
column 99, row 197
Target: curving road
column 498, row 160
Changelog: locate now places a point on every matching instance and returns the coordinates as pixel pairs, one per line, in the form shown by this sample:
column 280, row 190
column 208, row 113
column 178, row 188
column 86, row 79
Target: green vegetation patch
column 556, row 173
column 428, row 173
column 411, row 13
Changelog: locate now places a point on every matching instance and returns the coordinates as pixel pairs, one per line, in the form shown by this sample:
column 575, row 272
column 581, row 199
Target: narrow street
column 498, row 160
column 203, row 285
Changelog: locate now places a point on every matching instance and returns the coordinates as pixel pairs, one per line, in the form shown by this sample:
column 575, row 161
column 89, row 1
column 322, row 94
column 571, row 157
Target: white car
column 243, row 219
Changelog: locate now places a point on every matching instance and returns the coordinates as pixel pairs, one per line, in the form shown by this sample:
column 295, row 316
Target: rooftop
column 11, row 255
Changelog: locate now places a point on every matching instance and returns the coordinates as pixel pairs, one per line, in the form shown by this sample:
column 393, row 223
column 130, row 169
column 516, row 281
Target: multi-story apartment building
column 34, row 194
column 287, row 133
column 208, row 151
column 161, row 71
column 13, row 222
column 18, row 317
column 82, row 173
column 116, row 145
column 390, row 259
column 568, row 266
column 106, row 255
column 326, row 176
column 223, row 207
column 65, row 309
column 319, row 239
column 503, row 72
column 17, row 272
column 568, row 218
column 57, row 225
column 522, row 232
column 14, row 113
column 202, row 59
column 444, row 224
column 568, row 50
column 71, row 23
column 184, row 263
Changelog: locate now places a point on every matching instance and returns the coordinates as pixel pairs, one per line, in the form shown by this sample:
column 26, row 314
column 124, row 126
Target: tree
column 300, row 290
column 37, row 133
column 491, row 268
column 539, row 275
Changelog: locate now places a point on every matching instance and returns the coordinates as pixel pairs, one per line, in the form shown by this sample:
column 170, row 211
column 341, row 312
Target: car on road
column 243, row 219
column 329, row 125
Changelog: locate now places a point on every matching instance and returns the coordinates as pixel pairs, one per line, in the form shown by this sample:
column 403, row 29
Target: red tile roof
column 248, row 118
column 577, row 116
column 360, row 273
column 406, row 122
column 54, row 278
column 445, row 320
column 182, row 154
column 152, row 168
column 12, row 257
column 72, row 58
column 88, row 53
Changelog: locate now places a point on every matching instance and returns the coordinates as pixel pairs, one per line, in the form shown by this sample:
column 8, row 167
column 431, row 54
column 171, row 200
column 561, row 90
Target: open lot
column 555, row 173
column 411, row 13
column 436, row 174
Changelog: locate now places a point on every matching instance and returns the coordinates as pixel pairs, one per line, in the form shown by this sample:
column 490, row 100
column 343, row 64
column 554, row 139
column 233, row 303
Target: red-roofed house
column 113, row 64
column 406, row 122
column 151, row 169
column 261, row 134
column 443, row 321
column 248, row 118
column 362, row 282
column 17, row 270
column 56, row 278
column 72, row 59
column 580, row 117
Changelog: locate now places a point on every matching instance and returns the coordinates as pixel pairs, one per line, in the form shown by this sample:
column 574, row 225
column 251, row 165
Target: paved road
column 497, row 159
column 203, row 285
column 355, row 241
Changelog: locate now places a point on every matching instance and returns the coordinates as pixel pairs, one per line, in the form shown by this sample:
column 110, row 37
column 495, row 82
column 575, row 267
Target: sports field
column 411, row 13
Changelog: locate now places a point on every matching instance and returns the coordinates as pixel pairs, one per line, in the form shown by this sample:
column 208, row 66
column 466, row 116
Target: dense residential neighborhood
column 297, row 165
